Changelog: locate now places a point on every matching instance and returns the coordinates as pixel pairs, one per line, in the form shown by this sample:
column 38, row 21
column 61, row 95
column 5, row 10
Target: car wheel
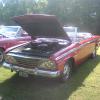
column 1, row 56
column 66, row 72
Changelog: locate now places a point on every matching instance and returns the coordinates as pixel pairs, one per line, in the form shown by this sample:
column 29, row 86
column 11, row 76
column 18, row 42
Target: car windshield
column 8, row 31
column 69, row 29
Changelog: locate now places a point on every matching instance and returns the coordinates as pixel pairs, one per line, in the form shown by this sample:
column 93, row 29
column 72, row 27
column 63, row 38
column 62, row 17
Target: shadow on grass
column 18, row 88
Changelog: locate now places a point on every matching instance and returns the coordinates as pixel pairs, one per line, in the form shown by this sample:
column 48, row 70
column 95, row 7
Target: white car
column 12, row 31
column 74, row 34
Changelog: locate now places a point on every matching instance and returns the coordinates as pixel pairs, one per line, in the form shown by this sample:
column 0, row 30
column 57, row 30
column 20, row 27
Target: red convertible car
column 51, row 53
column 10, row 36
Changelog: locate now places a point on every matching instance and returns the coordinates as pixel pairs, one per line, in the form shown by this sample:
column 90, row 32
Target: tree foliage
column 82, row 13
column 19, row 7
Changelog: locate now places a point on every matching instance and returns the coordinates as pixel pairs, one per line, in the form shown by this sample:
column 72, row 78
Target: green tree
column 82, row 13
column 19, row 7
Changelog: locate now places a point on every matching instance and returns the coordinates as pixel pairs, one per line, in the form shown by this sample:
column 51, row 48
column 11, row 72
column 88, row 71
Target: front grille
column 27, row 63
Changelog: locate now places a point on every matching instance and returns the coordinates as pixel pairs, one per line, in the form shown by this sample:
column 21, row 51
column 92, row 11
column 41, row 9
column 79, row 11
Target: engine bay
column 40, row 49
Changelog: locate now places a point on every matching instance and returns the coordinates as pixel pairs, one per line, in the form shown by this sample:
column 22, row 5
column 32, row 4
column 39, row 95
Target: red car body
column 7, row 41
column 51, row 53
column 11, row 36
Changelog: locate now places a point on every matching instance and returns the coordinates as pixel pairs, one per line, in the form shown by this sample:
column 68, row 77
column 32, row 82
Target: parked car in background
column 74, row 33
column 70, row 30
column 10, row 36
column 12, row 31
column 52, row 53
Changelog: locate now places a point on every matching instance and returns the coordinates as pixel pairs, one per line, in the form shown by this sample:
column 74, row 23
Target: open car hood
column 41, row 25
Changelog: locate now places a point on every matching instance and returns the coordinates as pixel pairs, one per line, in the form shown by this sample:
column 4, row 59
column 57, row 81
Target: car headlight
column 47, row 64
column 10, row 59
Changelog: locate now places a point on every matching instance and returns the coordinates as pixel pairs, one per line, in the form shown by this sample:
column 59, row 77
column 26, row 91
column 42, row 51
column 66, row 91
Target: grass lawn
column 83, row 85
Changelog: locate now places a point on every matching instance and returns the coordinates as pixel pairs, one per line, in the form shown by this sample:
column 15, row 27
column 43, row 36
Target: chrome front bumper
column 35, row 71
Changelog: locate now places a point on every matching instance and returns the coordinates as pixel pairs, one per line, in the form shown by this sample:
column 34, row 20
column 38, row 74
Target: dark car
column 51, row 53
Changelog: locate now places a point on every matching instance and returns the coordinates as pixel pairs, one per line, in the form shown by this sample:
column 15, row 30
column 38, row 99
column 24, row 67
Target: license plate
column 23, row 74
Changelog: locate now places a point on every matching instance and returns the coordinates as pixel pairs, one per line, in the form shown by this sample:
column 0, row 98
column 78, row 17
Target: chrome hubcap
column 66, row 71
column 94, row 53
column 1, row 56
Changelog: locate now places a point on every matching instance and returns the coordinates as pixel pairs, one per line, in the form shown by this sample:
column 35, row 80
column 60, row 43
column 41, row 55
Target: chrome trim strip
column 65, row 54
column 34, row 71
column 16, row 46
column 24, row 56
column 73, row 50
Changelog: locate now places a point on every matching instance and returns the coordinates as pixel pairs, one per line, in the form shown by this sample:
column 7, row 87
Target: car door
column 84, row 50
column 7, row 42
